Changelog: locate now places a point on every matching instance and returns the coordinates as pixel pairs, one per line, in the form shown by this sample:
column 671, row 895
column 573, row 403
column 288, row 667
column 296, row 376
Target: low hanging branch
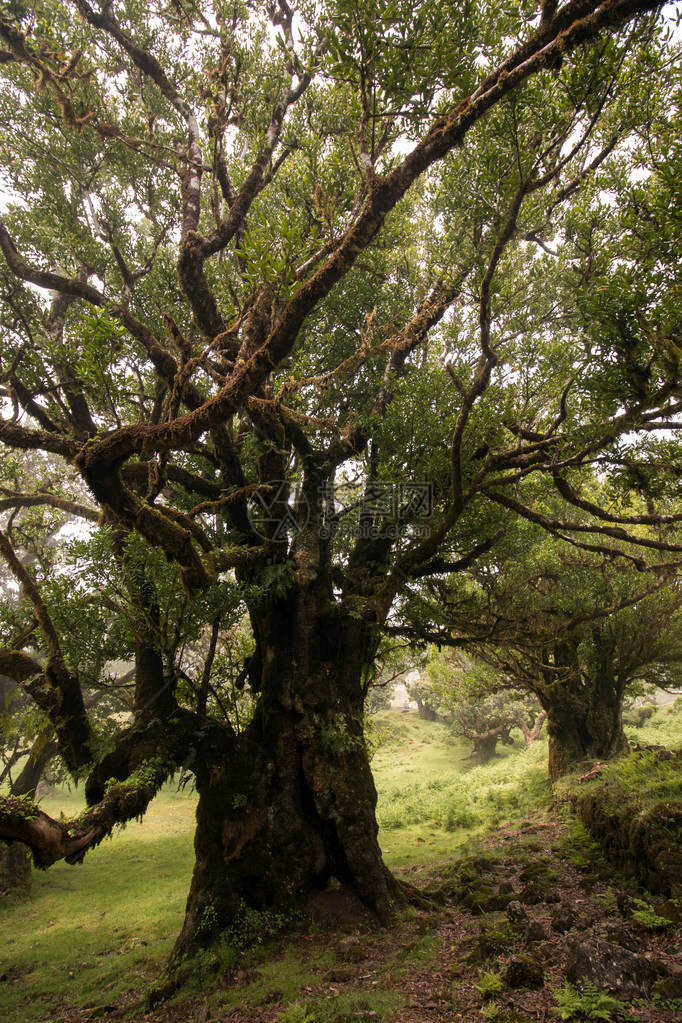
column 21, row 819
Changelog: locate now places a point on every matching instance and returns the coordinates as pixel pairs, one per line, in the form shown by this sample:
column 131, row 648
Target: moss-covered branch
column 21, row 819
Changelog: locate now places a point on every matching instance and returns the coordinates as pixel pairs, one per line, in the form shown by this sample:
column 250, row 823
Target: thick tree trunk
column 426, row 711
column 290, row 803
column 484, row 747
column 586, row 727
column 15, row 868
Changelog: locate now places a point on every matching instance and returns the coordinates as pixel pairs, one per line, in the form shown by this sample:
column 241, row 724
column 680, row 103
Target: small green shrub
column 586, row 1005
column 489, row 985
column 646, row 916
column 494, row 1014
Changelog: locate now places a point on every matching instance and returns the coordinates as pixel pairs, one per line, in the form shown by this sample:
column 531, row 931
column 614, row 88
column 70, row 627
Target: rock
column 524, row 971
column 610, row 968
column 564, row 918
column 484, row 864
column 340, row 974
column 243, row 976
column 533, row 893
column 352, row 950
column 536, row 931
column 494, row 940
column 668, row 909
column 538, row 870
column 670, row 987
column 516, row 914
column 620, row 934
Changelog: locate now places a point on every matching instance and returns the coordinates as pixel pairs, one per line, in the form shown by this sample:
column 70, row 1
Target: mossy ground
column 93, row 939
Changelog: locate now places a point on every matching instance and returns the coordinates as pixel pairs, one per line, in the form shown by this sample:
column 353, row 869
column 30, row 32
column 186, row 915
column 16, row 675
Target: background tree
column 392, row 663
column 265, row 271
column 579, row 633
column 422, row 692
column 479, row 703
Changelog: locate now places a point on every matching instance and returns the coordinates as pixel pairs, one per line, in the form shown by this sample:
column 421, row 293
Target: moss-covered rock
column 473, row 884
column 633, row 809
column 524, row 971
column 495, row 939
column 533, row 893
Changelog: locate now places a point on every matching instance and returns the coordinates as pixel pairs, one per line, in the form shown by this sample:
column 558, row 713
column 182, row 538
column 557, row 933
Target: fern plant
column 489, row 985
column 587, row 1005
column 646, row 916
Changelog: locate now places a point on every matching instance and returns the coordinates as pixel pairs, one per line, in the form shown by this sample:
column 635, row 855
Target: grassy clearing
column 93, row 933
column 664, row 727
column 425, row 812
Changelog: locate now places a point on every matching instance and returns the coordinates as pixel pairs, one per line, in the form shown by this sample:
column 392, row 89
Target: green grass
column 92, row 933
column 425, row 812
column 104, row 927
column 664, row 727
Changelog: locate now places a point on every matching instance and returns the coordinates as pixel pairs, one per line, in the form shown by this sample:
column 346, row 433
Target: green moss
column 496, row 939
column 24, row 807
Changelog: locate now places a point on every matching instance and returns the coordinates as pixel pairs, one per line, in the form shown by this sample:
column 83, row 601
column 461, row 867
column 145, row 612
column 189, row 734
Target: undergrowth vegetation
column 95, row 934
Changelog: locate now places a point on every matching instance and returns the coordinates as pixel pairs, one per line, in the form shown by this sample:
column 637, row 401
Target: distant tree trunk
column 485, row 743
column 426, row 711
column 583, row 726
column 290, row 803
column 485, row 746
column 26, row 783
column 531, row 733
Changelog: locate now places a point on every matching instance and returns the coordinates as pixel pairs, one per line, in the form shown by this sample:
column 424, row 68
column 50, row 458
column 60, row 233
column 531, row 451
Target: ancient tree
column 577, row 631
column 268, row 278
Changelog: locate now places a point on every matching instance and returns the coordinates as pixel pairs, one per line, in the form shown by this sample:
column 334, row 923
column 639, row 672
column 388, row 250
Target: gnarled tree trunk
column 290, row 803
column 585, row 725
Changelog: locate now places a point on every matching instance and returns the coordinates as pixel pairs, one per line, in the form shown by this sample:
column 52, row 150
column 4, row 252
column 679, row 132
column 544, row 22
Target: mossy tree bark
column 15, row 861
column 15, row 868
column 584, row 722
column 290, row 802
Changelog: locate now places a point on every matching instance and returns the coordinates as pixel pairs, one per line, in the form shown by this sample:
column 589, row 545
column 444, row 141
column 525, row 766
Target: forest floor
column 515, row 892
